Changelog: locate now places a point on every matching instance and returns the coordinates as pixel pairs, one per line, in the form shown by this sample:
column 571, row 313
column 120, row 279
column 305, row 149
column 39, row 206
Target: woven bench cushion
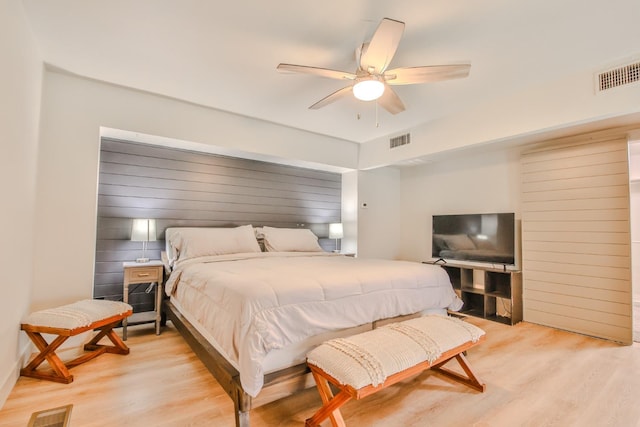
column 370, row 357
column 77, row 315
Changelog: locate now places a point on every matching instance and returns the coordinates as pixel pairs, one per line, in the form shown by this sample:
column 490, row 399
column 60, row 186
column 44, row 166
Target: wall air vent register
column 619, row 76
column 397, row 141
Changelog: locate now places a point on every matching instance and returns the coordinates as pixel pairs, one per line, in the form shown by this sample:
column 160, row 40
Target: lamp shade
column 335, row 230
column 143, row 230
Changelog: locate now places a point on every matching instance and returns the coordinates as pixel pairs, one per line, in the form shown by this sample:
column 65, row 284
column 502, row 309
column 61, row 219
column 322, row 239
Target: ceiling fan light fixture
column 368, row 90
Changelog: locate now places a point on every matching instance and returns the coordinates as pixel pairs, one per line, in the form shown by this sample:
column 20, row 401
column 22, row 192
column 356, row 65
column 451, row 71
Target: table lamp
column 336, row 232
column 143, row 230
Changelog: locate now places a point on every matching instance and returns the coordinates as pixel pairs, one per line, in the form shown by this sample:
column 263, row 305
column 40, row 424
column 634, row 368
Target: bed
column 251, row 312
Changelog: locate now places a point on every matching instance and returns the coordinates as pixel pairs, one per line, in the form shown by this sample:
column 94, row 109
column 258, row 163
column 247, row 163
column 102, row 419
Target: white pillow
column 197, row 242
column 290, row 240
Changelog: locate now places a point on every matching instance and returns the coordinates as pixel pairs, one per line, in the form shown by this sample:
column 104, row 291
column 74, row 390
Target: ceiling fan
column 372, row 81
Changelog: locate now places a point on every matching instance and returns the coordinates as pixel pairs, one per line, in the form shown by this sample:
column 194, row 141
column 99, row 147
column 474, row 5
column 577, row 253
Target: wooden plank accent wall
column 192, row 189
column 576, row 236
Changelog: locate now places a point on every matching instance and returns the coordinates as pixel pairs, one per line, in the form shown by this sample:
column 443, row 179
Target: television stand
column 491, row 292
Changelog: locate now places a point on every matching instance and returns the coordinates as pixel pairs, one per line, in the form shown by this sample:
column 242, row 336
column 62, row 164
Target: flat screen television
column 487, row 238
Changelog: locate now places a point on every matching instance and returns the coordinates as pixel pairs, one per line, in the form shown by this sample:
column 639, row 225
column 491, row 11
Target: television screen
column 474, row 237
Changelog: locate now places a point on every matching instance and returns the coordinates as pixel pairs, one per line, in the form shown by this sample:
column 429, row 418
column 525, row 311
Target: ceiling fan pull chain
column 377, row 122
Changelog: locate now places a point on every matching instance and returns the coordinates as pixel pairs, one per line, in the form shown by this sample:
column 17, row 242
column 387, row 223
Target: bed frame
column 277, row 385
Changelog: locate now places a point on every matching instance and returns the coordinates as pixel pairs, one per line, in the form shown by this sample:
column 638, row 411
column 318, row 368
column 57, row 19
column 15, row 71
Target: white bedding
column 254, row 303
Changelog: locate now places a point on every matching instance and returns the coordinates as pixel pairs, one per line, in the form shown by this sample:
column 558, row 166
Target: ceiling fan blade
column 340, row 93
column 380, row 50
column 427, row 74
column 322, row 72
column 390, row 101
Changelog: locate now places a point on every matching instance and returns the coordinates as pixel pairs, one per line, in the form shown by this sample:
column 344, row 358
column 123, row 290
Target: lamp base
column 142, row 260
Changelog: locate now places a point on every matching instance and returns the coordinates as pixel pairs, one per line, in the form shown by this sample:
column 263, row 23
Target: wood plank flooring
column 536, row 376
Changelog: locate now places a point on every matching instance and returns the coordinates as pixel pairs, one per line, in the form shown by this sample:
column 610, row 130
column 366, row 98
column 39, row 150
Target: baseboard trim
column 14, row 373
column 72, row 348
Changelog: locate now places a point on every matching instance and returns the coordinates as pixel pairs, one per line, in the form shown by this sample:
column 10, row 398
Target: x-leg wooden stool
column 66, row 316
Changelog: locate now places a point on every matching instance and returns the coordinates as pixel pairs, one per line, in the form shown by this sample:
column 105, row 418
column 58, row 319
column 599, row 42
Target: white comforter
column 254, row 303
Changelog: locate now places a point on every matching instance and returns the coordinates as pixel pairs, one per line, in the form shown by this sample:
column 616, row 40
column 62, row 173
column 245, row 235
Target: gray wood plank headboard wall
column 193, row 189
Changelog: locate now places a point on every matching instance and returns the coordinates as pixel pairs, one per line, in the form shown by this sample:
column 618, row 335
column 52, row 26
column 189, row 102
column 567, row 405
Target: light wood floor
column 535, row 376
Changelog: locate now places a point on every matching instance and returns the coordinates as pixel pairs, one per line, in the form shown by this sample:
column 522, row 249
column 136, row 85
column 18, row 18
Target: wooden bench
column 67, row 321
column 371, row 361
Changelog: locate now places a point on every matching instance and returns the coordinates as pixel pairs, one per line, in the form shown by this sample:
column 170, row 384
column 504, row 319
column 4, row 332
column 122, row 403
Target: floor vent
column 619, row 76
column 397, row 141
column 56, row 417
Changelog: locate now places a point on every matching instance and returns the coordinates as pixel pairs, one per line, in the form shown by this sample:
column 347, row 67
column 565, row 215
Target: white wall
column 73, row 110
column 349, row 243
column 396, row 224
column 379, row 222
column 567, row 102
column 19, row 109
column 472, row 182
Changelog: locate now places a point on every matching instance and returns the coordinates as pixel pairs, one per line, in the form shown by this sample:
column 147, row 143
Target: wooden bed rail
column 277, row 384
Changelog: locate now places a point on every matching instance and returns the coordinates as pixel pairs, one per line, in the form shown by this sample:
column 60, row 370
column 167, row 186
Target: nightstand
column 143, row 272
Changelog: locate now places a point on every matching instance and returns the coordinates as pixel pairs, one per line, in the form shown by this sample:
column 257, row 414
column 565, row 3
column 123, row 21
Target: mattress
column 254, row 306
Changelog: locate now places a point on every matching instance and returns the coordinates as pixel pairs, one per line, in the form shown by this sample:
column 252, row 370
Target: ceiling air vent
column 397, row 141
column 618, row 76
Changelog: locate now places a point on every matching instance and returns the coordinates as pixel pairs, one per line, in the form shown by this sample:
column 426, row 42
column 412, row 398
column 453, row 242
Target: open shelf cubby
column 487, row 292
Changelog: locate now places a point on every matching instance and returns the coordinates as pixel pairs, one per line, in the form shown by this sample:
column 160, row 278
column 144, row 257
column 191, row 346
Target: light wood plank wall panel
column 192, row 189
column 576, row 236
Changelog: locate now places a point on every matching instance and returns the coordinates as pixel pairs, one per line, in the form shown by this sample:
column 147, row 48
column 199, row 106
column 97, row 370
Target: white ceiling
column 224, row 54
